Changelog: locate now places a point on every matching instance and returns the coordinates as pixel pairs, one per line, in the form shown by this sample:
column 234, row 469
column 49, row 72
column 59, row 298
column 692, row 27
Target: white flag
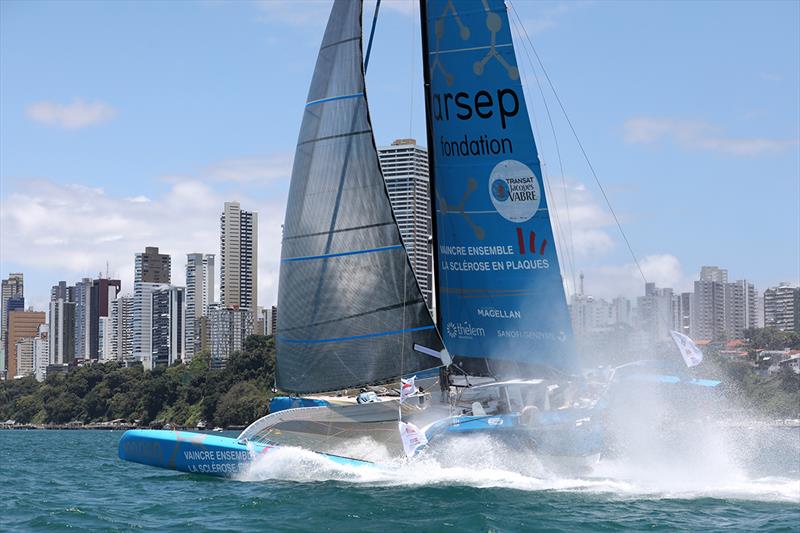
column 413, row 438
column 692, row 355
column 407, row 387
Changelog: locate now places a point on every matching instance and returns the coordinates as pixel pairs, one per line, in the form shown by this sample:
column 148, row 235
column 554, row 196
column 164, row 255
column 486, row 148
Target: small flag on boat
column 413, row 438
column 407, row 387
column 692, row 355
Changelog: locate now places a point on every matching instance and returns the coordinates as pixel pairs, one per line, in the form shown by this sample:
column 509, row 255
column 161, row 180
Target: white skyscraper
column 121, row 315
column 168, row 325
column 143, row 320
column 199, row 295
column 405, row 169
column 238, row 257
column 83, row 300
column 230, row 326
column 41, row 352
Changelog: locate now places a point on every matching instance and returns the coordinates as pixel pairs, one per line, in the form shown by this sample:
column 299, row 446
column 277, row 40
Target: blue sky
column 129, row 124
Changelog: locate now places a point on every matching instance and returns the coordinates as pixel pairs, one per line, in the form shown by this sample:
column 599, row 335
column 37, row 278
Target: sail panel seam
column 355, row 337
column 338, row 136
column 340, row 230
column 487, row 47
column 334, row 98
column 323, row 47
column 358, row 315
column 340, row 254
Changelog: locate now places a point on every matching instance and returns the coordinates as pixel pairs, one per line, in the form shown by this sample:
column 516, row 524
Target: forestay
column 350, row 307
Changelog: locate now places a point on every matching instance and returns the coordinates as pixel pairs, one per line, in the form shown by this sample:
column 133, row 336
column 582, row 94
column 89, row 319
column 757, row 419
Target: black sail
column 349, row 307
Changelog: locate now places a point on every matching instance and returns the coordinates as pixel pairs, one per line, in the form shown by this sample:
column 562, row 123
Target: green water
column 54, row 480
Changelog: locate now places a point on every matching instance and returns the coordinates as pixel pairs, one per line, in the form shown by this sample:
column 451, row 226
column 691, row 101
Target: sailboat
column 352, row 315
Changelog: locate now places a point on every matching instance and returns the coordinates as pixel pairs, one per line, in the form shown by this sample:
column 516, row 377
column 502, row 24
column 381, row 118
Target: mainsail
column 500, row 293
column 350, row 306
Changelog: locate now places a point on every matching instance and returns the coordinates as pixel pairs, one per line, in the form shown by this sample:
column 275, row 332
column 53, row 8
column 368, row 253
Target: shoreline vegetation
column 110, row 396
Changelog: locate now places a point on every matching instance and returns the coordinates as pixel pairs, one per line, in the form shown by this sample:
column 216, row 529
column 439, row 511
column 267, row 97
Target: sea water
column 54, row 480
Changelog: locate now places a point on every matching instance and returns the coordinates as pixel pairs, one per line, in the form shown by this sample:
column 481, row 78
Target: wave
column 481, row 462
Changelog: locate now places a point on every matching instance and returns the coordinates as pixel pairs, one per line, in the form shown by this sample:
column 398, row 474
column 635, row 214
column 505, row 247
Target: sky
column 129, row 124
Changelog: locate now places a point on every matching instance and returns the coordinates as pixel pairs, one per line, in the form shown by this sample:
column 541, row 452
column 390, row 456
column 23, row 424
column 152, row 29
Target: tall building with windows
column 405, row 169
column 168, row 325
column 142, row 320
column 103, row 292
column 83, row 309
column 199, row 295
column 122, row 328
column 152, row 266
column 21, row 324
column 782, row 307
column 722, row 310
column 229, row 326
column 11, row 289
column 41, row 352
column 62, row 331
column 238, row 258
column 271, row 320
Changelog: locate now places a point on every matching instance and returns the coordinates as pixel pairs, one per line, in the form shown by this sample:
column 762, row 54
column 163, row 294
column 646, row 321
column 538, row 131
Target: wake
column 713, row 470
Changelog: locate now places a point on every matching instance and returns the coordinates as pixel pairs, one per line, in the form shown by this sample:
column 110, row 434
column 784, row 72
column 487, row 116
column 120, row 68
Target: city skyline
column 130, row 167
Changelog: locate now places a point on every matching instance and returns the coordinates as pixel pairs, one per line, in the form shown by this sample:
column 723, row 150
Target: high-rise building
column 63, row 291
column 199, row 295
column 83, row 308
column 122, row 328
column 238, row 258
column 13, row 287
column 621, row 310
column 740, row 308
column 21, row 324
column 685, row 312
column 24, row 351
column 103, row 292
column 41, row 352
column 62, row 331
column 152, row 266
column 168, row 325
column 712, row 273
column 655, row 313
column 782, row 307
column 230, row 326
column 142, row 320
column 405, row 169
column 12, row 297
column 722, row 310
column 271, row 320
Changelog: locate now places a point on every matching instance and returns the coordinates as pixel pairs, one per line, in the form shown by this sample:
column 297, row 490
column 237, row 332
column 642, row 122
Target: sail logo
column 463, row 330
column 514, row 190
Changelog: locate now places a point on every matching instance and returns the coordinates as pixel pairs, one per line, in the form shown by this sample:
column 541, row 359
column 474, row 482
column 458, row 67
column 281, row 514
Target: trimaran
column 352, row 315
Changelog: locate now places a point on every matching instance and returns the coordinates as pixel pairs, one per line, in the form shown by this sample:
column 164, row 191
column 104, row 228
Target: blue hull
column 198, row 453
column 567, row 433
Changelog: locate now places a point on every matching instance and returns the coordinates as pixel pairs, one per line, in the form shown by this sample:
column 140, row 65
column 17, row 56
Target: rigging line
column 372, row 34
column 566, row 246
column 571, row 248
column 411, row 79
column 583, row 151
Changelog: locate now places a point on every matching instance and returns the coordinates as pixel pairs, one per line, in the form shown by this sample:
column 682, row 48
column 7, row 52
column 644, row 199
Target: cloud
column 78, row 114
column 579, row 221
column 73, row 230
column 699, row 135
column 610, row 281
column 262, row 170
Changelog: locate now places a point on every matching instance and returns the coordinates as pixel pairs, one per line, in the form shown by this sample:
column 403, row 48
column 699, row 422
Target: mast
column 426, row 77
